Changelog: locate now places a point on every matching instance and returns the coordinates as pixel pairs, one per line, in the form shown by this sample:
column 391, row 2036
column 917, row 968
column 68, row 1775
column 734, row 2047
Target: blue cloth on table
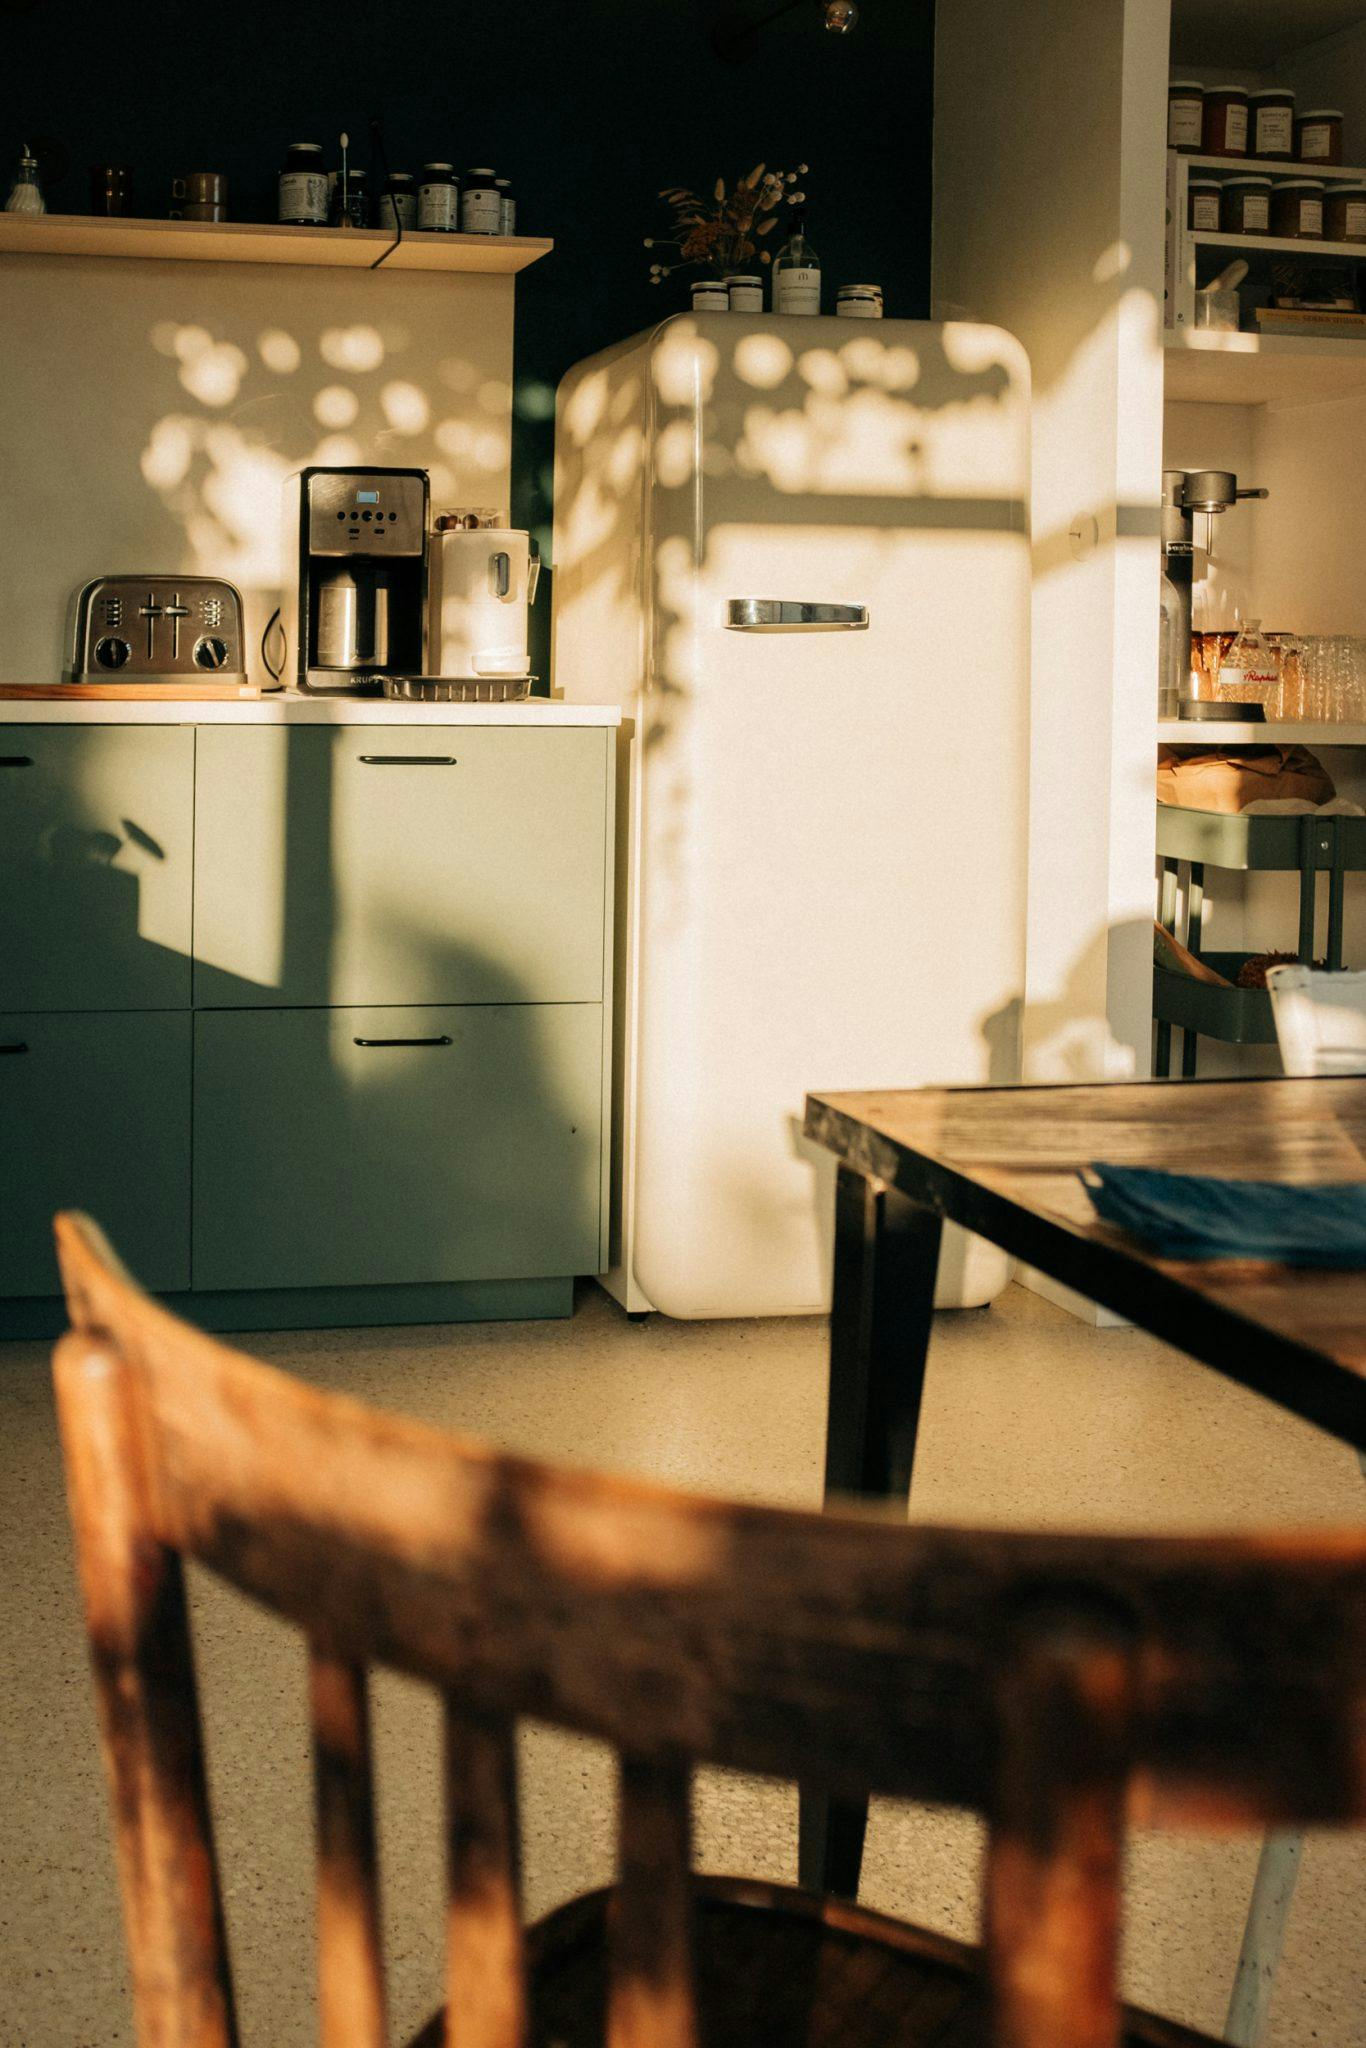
column 1197, row 1216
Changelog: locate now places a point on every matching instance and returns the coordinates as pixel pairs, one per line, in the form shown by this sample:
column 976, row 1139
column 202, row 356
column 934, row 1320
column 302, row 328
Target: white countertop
column 291, row 707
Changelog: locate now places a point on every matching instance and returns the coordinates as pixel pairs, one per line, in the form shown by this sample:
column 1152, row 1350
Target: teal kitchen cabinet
column 313, row 1018
column 95, row 1115
column 96, row 847
column 400, row 863
column 382, row 1146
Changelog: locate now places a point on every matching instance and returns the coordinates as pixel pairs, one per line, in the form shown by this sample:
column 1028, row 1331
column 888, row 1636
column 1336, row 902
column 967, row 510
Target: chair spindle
column 651, row 2000
column 486, row 2001
column 1054, row 1871
column 350, row 1938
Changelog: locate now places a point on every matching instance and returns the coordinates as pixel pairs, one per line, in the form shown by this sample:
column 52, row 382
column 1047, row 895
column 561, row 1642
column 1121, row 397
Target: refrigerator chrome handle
column 783, row 614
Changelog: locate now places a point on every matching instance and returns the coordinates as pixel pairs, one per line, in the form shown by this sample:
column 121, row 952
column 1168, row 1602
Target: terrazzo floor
column 1030, row 1418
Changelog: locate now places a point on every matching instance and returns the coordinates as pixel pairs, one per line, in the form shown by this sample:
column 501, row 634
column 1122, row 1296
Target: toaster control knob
column 210, row 652
column 111, row 652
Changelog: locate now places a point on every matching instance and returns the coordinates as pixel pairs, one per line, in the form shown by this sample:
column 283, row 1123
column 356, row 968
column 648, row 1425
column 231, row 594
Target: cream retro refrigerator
column 795, row 552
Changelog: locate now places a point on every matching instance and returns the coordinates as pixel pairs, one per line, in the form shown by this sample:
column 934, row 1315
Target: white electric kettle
column 484, row 580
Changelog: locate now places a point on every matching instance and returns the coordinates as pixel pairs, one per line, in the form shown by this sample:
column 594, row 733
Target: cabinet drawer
column 403, row 863
column 322, row 1161
column 96, row 842
column 95, row 1115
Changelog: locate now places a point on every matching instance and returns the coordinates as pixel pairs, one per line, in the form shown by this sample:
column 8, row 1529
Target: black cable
column 377, row 150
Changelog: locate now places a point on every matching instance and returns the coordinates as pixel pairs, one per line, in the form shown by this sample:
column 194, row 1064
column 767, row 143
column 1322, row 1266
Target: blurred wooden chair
column 1059, row 1685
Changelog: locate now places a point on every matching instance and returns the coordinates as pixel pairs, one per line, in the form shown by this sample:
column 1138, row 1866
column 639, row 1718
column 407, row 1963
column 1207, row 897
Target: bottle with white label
column 797, row 273
column 481, row 204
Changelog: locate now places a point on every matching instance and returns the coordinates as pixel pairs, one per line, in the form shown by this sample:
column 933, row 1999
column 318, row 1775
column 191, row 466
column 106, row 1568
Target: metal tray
column 1230, row 839
column 458, row 689
column 1240, row 1016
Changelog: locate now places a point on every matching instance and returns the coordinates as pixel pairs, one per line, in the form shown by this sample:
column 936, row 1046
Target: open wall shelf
column 1250, row 369
column 203, row 241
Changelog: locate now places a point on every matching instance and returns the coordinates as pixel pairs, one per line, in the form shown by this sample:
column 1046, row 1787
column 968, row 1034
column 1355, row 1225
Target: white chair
column 1320, row 1030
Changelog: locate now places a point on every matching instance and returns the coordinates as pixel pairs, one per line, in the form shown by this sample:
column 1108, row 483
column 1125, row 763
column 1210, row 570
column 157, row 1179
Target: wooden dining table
column 1007, row 1164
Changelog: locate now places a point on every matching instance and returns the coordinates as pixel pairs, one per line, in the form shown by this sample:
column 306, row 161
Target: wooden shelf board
column 1250, row 369
column 1186, row 732
column 203, row 241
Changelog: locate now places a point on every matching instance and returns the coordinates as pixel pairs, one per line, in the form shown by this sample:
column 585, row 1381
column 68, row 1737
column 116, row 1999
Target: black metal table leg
column 886, row 1261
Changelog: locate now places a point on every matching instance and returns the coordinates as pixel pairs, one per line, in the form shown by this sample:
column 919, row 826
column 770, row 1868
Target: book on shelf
column 1313, row 323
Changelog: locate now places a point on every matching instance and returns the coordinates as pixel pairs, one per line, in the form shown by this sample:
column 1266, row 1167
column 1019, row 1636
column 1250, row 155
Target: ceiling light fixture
column 737, row 33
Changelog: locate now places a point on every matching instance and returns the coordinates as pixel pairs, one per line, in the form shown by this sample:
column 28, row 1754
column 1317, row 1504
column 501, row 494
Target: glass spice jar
column 1185, row 115
column 1225, row 121
column 438, row 199
column 1203, row 206
column 1344, row 213
column 1273, row 123
column 1318, row 136
column 481, row 203
column 1245, row 206
column 303, row 188
column 1297, row 209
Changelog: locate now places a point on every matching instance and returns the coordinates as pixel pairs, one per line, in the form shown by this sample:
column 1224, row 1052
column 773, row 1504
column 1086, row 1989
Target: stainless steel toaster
column 157, row 629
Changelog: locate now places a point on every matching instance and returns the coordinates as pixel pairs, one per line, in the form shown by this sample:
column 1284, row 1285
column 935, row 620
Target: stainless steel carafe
column 353, row 617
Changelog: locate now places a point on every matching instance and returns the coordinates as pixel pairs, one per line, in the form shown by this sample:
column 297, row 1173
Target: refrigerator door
column 831, row 773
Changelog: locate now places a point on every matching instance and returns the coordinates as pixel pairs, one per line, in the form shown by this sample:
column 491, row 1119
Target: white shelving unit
column 199, row 241
column 1085, row 281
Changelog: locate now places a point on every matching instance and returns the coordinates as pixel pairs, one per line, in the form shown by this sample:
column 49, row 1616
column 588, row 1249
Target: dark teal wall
column 588, row 105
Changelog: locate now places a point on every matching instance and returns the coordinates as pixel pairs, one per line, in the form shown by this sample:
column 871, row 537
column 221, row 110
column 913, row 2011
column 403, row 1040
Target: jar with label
column 1249, row 672
column 745, row 294
column 507, row 207
column 1245, row 206
column 1225, row 124
column 398, row 201
column 303, row 187
column 1344, row 213
column 438, row 199
column 1297, row 209
column 481, row 203
column 1318, row 136
column 859, row 301
column 1204, row 206
column 709, row 295
column 1273, row 123
column 1185, row 115
column 351, row 208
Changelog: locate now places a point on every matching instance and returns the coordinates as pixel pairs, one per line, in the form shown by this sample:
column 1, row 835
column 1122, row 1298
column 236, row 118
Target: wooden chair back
column 1058, row 1684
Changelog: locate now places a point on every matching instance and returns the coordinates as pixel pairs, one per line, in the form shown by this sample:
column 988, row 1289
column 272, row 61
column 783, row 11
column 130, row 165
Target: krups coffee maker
column 355, row 578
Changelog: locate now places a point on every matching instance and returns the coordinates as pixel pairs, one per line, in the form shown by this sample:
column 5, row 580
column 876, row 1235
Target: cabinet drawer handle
column 16, row 760
column 402, row 1041
column 410, row 760
column 14, row 1045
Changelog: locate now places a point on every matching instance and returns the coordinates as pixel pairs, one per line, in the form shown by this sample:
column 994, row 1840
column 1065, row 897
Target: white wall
column 149, row 412
column 1049, row 187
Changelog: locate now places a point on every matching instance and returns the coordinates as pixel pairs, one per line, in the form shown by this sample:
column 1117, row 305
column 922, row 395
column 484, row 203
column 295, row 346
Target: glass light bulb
column 840, row 16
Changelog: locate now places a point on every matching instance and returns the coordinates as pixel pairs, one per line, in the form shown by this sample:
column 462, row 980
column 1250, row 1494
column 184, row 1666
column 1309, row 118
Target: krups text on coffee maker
column 355, row 577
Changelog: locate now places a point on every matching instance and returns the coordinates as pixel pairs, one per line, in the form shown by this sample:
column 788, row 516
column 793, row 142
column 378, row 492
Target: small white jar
column 859, row 302
column 746, row 294
column 709, row 295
